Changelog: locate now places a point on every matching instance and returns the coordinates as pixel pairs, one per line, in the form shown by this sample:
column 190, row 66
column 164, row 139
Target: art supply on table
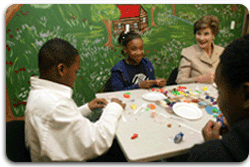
column 178, row 138
column 143, row 106
column 134, row 136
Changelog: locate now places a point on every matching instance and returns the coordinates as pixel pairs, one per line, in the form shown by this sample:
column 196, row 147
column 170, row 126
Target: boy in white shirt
column 55, row 128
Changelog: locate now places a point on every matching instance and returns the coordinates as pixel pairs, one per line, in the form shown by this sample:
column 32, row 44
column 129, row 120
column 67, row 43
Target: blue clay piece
column 209, row 110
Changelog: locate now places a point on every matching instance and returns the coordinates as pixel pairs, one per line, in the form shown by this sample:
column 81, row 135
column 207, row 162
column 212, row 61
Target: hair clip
column 124, row 35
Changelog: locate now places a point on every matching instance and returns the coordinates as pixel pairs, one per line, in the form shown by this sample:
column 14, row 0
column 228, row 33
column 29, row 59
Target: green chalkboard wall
column 84, row 26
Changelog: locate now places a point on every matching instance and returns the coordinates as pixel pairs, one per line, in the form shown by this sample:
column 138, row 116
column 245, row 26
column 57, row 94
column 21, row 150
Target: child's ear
column 246, row 95
column 61, row 69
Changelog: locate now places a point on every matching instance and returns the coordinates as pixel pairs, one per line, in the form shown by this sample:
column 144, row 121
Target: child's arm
column 118, row 83
column 184, row 72
column 86, row 109
column 71, row 137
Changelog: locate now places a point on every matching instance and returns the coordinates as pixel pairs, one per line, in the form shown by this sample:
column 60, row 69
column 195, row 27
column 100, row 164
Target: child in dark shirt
column 135, row 71
column 232, row 79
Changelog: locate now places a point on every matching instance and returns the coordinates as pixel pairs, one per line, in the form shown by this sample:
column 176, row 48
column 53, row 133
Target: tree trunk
column 173, row 9
column 234, row 8
column 11, row 11
column 108, row 25
column 152, row 16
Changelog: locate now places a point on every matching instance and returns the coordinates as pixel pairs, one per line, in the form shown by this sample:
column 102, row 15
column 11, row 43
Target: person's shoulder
column 119, row 66
column 190, row 51
column 146, row 61
column 219, row 48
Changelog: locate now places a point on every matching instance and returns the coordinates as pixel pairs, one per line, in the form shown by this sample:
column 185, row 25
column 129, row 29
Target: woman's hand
column 147, row 84
column 205, row 78
column 161, row 82
column 97, row 103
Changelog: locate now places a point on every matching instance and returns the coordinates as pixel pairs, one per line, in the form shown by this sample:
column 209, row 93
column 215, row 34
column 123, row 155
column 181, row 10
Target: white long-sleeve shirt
column 56, row 129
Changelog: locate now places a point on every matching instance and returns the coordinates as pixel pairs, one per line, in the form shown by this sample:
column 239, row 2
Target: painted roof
column 129, row 10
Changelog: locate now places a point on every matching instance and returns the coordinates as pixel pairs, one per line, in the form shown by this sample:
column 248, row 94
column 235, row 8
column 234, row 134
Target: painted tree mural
column 234, row 8
column 105, row 13
column 173, row 5
column 152, row 8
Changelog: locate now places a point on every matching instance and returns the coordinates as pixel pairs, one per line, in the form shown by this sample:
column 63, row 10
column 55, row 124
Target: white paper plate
column 153, row 96
column 186, row 110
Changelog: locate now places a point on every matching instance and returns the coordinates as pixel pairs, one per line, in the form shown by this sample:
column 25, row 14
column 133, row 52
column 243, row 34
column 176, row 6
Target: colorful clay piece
column 214, row 102
column 204, row 88
column 220, row 119
column 165, row 93
column 126, row 96
column 202, row 103
column 209, row 110
column 169, row 125
column 168, row 102
column 175, row 92
column 128, row 93
column 214, row 110
column 153, row 112
column 134, row 136
column 152, row 106
column 171, row 105
column 169, row 109
column 178, row 137
column 186, row 101
column 161, row 90
column 153, row 89
column 195, row 100
column 198, row 92
column 212, row 99
column 133, row 106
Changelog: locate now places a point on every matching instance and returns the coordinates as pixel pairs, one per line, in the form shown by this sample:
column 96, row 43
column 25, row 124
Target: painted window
column 144, row 20
column 135, row 25
column 119, row 26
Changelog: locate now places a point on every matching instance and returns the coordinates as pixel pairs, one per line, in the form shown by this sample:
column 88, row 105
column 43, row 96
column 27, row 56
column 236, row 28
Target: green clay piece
column 198, row 92
column 215, row 115
column 215, row 110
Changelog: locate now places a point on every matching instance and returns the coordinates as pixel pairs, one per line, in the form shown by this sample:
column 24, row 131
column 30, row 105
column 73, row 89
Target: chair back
column 173, row 77
column 15, row 142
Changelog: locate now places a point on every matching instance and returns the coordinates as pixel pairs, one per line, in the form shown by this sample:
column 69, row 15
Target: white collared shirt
column 56, row 129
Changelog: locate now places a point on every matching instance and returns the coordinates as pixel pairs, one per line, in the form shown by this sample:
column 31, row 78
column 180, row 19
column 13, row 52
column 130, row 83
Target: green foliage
column 104, row 12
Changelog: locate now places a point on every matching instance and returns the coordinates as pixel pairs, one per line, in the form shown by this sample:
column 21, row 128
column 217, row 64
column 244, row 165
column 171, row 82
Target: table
column 155, row 138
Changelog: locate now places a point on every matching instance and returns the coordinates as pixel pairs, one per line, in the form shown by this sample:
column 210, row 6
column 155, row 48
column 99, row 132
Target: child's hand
column 119, row 102
column 97, row 103
column 147, row 84
column 211, row 131
column 161, row 82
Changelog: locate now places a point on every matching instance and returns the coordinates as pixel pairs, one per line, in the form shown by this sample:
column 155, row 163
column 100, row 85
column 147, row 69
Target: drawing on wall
column 94, row 29
column 133, row 18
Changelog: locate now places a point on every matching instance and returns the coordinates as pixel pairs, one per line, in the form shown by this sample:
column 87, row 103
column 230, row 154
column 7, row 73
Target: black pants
column 114, row 154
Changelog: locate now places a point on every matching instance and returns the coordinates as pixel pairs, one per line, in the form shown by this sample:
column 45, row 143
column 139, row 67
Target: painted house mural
column 94, row 29
column 133, row 18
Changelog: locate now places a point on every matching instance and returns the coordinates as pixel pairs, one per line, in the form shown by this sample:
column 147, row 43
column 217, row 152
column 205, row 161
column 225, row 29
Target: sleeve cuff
column 85, row 110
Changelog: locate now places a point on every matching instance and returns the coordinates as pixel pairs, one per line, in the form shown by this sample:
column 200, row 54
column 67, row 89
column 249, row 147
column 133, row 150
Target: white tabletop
column 155, row 139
